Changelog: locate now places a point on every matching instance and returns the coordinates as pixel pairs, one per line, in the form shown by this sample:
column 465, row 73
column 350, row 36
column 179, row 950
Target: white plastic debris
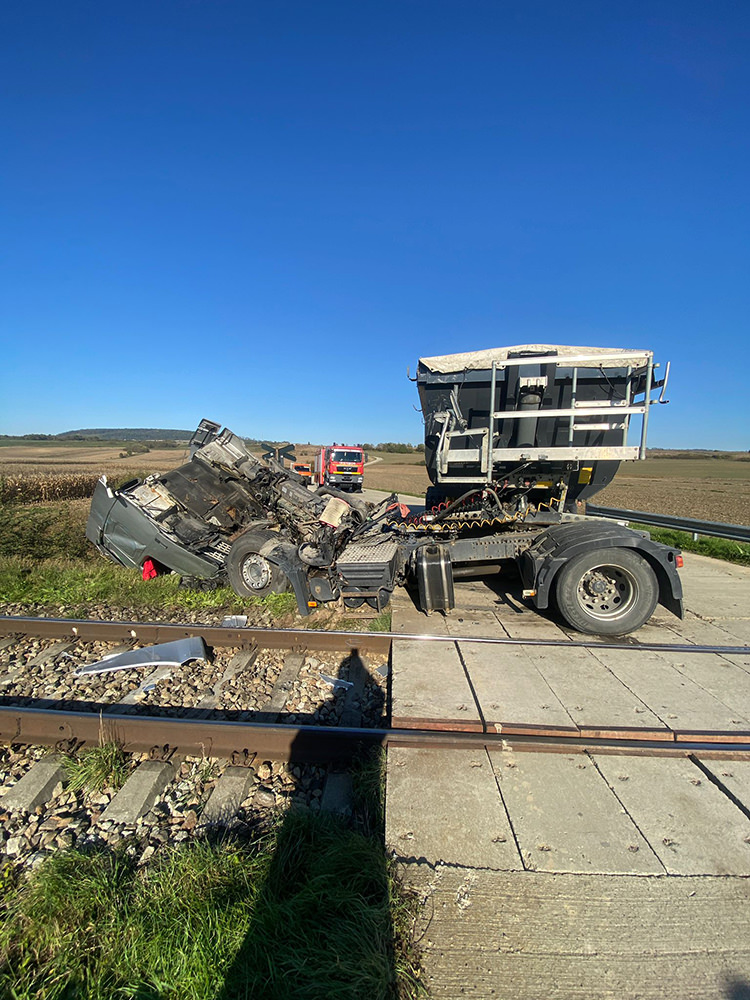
column 165, row 654
column 336, row 682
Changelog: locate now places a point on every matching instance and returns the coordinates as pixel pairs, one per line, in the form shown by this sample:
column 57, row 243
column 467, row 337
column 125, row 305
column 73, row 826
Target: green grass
column 716, row 548
column 278, row 604
column 383, row 622
column 76, row 584
column 97, row 768
column 311, row 912
column 41, row 531
column 368, row 784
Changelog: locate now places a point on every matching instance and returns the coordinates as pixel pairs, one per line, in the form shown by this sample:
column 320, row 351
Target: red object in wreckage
column 150, row 571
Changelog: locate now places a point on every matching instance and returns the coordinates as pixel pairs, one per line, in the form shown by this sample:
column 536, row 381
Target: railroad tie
column 43, row 657
column 289, row 673
column 242, row 660
column 50, row 653
column 338, row 792
column 226, row 797
column 133, row 697
column 140, row 792
column 9, row 640
column 10, row 675
column 37, row 786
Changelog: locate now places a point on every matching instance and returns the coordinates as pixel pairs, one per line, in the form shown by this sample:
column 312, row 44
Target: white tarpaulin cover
column 481, row 360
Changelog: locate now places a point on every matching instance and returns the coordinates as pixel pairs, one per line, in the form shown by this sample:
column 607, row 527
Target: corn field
column 39, row 487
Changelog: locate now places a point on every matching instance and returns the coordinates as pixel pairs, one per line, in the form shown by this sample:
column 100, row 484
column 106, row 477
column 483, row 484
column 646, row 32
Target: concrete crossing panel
column 690, row 824
column 430, row 689
column 513, row 695
column 680, row 702
column 597, row 701
column 444, row 806
column 565, row 817
column 533, row 936
column 734, row 775
column 481, row 624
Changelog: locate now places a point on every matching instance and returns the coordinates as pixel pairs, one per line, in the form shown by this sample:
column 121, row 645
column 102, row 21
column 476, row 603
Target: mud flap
column 284, row 555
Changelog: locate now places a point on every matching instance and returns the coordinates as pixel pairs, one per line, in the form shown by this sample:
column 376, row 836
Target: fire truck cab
column 341, row 466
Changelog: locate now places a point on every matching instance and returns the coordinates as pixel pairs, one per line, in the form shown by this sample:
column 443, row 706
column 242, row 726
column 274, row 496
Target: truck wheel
column 381, row 601
column 607, row 592
column 251, row 574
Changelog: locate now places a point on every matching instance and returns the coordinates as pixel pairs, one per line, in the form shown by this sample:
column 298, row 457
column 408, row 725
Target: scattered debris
column 164, row 654
column 336, row 682
column 234, row 621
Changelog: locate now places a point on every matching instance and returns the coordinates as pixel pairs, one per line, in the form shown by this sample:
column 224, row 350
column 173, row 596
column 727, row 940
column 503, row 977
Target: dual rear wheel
column 607, row 592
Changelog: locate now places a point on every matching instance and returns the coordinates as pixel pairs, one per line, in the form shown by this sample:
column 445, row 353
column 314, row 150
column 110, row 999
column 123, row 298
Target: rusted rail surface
column 311, row 639
column 214, row 635
column 164, row 736
column 218, row 737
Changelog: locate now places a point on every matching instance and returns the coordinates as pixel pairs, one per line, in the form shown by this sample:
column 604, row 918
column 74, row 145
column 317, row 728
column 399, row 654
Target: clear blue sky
column 263, row 212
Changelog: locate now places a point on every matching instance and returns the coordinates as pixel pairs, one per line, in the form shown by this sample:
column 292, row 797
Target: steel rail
column 714, row 529
column 164, row 737
column 312, row 639
column 265, row 638
column 214, row 635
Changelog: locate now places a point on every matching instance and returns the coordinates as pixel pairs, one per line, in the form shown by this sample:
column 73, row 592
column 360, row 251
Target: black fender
column 284, row 555
column 540, row 563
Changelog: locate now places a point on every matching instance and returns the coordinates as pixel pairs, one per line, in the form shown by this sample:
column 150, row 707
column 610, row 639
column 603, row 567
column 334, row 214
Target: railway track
column 273, row 728
column 269, row 718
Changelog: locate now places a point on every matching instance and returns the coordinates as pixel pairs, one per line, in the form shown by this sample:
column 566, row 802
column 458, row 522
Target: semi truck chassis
column 515, row 440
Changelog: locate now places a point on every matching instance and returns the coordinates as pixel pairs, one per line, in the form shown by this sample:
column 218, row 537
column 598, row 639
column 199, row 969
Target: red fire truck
column 341, row 466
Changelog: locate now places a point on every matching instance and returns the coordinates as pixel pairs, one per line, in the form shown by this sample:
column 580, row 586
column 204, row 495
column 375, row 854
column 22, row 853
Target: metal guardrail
column 734, row 532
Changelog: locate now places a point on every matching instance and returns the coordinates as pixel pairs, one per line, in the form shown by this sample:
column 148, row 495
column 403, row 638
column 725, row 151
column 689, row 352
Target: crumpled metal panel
column 172, row 654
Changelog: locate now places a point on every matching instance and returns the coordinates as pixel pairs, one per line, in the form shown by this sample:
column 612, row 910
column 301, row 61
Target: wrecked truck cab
column 226, row 514
column 120, row 529
column 516, row 440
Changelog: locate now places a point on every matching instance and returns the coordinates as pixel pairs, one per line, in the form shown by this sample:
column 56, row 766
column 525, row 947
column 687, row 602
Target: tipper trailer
column 516, row 439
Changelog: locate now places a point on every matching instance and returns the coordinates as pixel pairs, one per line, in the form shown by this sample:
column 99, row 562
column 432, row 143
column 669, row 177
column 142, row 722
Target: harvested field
column 397, row 473
column 84, row 458
column 712, row 489
column 709, row 489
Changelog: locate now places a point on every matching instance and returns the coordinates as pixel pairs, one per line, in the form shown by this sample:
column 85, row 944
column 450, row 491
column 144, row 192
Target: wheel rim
column 607, row 593
column 256, row 571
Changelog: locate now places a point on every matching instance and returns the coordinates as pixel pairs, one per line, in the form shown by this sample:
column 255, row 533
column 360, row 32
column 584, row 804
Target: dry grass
column 39, row 487
column 49, row 471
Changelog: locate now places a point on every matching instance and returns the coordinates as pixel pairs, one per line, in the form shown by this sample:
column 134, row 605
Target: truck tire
column 607, row 592
column 251, row 574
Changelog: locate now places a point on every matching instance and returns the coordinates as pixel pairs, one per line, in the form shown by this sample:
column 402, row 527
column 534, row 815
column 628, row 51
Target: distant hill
column 126, row 434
